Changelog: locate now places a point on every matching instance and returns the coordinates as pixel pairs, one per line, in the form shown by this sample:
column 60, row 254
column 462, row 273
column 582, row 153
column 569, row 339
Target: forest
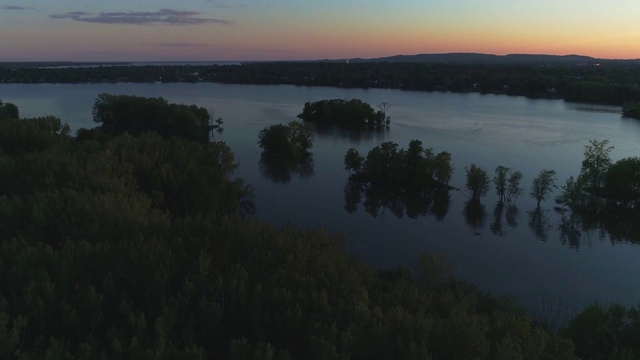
column 123, row 244
column 611, row 83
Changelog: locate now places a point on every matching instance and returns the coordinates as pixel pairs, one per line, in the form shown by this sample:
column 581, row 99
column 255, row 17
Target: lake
column 507, row 252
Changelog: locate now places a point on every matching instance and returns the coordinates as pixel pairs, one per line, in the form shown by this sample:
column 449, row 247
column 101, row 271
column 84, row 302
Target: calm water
column 508, row 252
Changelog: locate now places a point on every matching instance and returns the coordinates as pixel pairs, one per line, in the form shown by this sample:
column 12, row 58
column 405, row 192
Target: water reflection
column 441, row 203
column 512, row 215
column 378, row 200
column 539, row 223
column 621, row 227
column 496, row 226
column 475, row 215
column 575, row 228
column 282, row 170
column 504, row 212
column 569, row 231
column 355, row 136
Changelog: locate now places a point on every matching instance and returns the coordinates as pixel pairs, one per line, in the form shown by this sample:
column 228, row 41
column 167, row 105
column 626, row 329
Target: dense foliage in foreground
column 135, row 247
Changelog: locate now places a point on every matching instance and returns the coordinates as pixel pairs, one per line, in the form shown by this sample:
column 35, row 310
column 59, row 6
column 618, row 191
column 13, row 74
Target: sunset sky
column 162, row 30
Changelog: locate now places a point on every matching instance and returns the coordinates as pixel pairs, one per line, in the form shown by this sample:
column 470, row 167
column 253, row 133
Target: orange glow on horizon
column 318, row 31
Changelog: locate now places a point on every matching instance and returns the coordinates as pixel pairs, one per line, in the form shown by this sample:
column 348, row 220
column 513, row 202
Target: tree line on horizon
column 609, row 83
column 116, row 245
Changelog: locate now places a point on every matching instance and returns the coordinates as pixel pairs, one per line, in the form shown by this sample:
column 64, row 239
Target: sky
column 243, row 30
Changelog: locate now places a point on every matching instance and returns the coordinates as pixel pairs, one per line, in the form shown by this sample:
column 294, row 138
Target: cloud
column 160, row 17
column 16, row 7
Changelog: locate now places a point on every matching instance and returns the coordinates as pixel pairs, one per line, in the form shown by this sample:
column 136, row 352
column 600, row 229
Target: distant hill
column 477, row 58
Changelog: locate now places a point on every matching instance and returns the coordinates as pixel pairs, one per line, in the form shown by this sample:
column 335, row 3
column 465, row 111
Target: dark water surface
column 505, row 251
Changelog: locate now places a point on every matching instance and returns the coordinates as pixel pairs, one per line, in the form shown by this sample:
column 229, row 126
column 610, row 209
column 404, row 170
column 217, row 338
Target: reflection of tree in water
column 511, row 215
column 417, row 204
column 496, row 227
column 378, row 200
column 569, row 229
column 539, row 224
column 475, row 215
column 510, row 212
column 282, row 170
column 622, row 227
column 441, row 202
column 353, row 135
column 578, row 226
column 352, row 195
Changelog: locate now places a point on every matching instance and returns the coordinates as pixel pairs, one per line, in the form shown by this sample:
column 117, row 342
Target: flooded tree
column 477, row 181
column 543, row 185
column 513, row 188
column 500, row 181
column 475, row 215
column 496, row 226
column 596, row 162
column 353, row 160
column 442, row 168
column 291, row 141
column 354, row 113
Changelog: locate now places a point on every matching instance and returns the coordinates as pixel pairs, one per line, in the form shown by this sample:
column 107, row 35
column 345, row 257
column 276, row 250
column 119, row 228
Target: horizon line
column 323, row 59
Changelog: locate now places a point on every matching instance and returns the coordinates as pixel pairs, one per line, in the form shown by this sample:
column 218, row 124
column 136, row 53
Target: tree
column 290, row 141
column 543, row 185
column 513, row 189
column 442, row 167
column 622, row 181
column 118, row 114
column 596, row 162
column 216, row 124
column 605, row 332
column 477, row 181
column 300, row 135
column 500, row 181
column 275, row 140
column 631, row 109
column 9, row 110
column 381, row 115
column 572, row 195
column 353, row 113
column 384, row 107
column 379, row 161
column 353, row 160
column 398, row 179
column 418, row 164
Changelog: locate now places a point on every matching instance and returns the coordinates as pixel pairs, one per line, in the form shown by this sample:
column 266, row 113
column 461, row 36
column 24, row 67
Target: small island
column 285, row 151
column 290, row 141
column 352, row 114
column 415, row 168
column 404, row 181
